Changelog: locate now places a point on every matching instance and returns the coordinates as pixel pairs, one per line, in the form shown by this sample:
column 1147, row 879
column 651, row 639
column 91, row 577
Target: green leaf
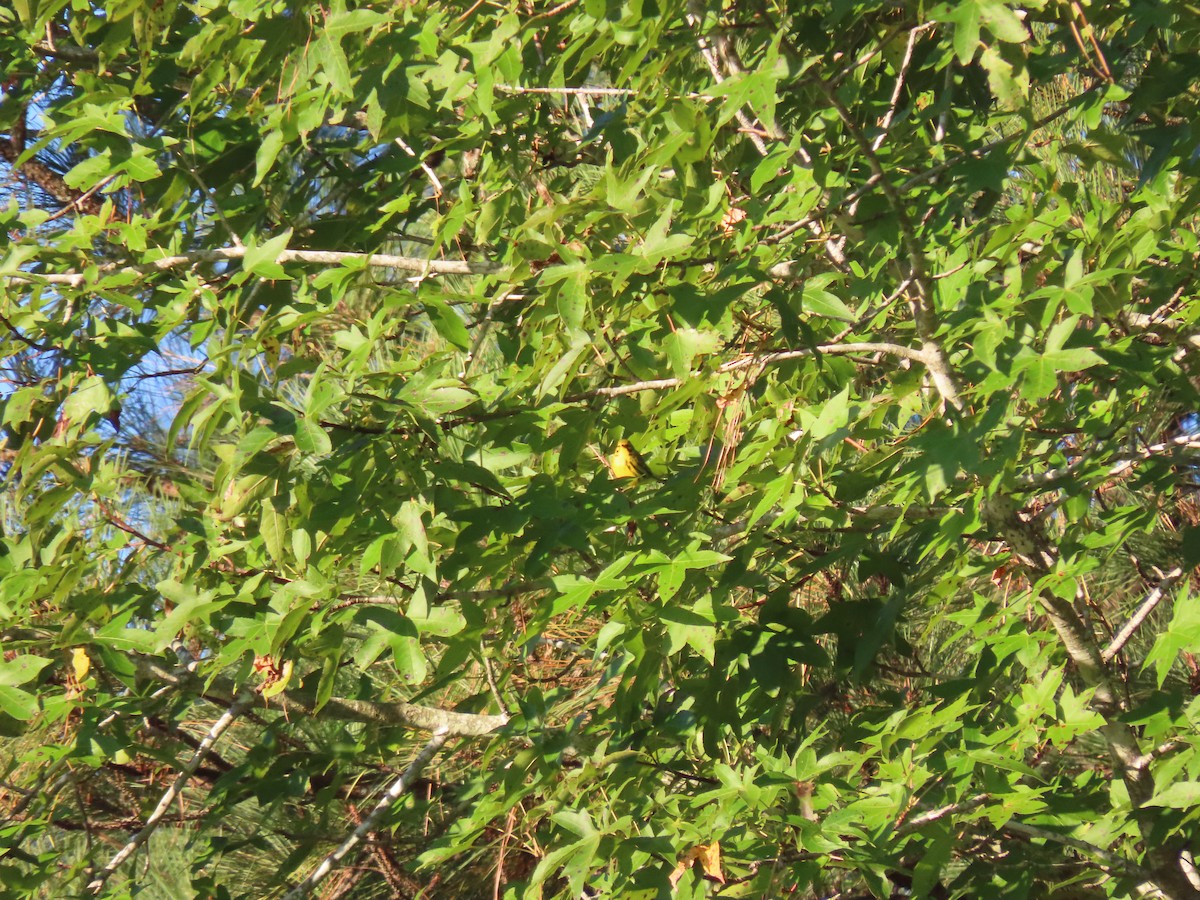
column 1009, row 84
column 966, row 31
column 341, row 22
column 335, row 65
column 448, row 323
column 1003, row 22
column 328, row 679
column 190, row 607
column 409, row 659
column 311, row 438
column 91, row 171
column 301, row 544
column 92, row 397
column 272, row 527
column 261, row 259
column 623, row 195
column 683, row 345
column 1181, row 635
column 1180, row 795
column 21, row 669
column 266, row 154
column 18, row 704
column 823, row 303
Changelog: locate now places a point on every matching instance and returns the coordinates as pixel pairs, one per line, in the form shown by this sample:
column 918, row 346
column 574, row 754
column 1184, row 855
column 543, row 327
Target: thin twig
column 84, row 198
column 397, row 712
column 667, row 384
column 491, row 680
column 117, row 522
column 693, row 18
column 937, row 363
column 841, row 76
column 28, row 342
column 746, row 361
column 934, row 815
column 429, row 173
column 931, row 173
column 576, row 91
column 939, row 133
column 900, row 75
column 233, row 235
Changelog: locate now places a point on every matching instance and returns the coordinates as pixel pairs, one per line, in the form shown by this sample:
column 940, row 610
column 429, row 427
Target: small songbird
column 626, row 462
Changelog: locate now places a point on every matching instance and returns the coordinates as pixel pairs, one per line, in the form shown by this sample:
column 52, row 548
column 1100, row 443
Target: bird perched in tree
column 626, row 462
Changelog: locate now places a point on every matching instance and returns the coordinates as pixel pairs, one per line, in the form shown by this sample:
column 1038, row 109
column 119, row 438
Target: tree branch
column 1152, row 600
column 769, row 359
column 935, row 358
column 372, row 821
column 898, row 89
column 667, row 384
column 424, row 267
column 693, row 18
column 1123, row 462
column 28, row 342
column 1108, row 859
column 243, row 702
column 933, row 815
column 1002, row 514
column 49, row 180
column 422, row 718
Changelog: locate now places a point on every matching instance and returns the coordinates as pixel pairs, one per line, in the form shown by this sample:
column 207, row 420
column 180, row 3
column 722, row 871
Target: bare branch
column 398, row 712
column 667, row 384
column 1123, row 462
column 899, row 88
column 28, row 342
column 372, row 821
column 425, row 267
column 429, row 173
column 934, row 815
column 575, row 91
column 1161, row 750
column 769, row 359
column 1152, row 600
column 243, row 702
column 934, row 355
column 1099, row 855
column 695, row 10
column 1131, row 458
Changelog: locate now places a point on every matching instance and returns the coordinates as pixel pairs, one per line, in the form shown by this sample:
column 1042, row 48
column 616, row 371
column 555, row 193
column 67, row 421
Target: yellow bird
column 626, row 462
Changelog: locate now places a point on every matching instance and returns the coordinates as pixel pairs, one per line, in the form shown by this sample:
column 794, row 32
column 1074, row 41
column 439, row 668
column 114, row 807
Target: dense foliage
column 321, row 322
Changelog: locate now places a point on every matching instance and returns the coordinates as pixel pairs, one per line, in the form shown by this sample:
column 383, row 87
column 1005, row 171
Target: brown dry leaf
column 998, row 575
column 730, row 220
column 680, row 867
column 709, row 857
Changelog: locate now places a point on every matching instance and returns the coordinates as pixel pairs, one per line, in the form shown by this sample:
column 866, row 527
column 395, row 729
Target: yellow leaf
column 709, row 856
column 80, row 663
